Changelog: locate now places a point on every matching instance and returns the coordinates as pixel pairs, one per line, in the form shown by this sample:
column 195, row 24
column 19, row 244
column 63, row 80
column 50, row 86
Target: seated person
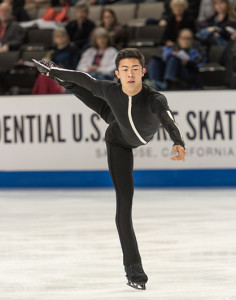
column 80, row 29
column 11, row 34
column 180, row 61
column 193, row 9
column 221, row 27
column 178, row 20
column 65, row 55
column 99, row 60
column 18, row 10
column 110, row 23
column 206, row 10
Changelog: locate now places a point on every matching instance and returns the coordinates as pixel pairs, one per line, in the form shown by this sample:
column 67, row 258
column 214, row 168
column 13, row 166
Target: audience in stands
column 178, row 20
column 18, row 10
column 193, row 9
column 11, row 34
column 180, row 61
column 80, row 29
column 228, row 60
column 110, row 23
column 221, row 27
column 206, row 10
column 99, row 60
column 65, row 56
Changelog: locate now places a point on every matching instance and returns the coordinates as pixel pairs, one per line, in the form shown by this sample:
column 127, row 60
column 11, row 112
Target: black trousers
column 120, row 162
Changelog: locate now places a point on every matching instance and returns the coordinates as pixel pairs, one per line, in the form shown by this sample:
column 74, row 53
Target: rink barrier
column 55, row 141
column 142, row 178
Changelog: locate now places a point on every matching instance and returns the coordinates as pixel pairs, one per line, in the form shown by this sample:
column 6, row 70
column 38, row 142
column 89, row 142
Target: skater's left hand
column 177, row 149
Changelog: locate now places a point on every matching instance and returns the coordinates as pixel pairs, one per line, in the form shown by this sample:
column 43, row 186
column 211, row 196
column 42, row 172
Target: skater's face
column 130, row 73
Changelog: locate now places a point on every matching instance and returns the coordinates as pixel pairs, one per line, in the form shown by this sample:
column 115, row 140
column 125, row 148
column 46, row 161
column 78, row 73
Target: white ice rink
column 63, row 245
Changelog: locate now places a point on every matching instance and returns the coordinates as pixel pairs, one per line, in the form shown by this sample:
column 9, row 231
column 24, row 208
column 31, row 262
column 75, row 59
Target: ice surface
column 63, row 245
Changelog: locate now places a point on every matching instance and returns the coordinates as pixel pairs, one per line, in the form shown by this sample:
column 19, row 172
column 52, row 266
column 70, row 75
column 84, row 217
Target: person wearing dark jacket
column 80, row 30
column 193, row 8
column 179, row 19
column 220, row 28
column 64, row 55
column 11, row 34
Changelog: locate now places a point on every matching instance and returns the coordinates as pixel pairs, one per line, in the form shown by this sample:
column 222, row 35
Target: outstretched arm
column 161, row 108
column 168, row 122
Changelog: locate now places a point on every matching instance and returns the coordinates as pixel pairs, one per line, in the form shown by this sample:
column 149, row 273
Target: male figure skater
column 134, row 113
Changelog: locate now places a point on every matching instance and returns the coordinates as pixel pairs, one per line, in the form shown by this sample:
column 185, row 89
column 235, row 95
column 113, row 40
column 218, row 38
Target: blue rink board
column 142, row 178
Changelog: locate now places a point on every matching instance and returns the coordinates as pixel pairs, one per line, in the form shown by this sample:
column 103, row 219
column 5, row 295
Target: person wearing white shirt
column 99, row 60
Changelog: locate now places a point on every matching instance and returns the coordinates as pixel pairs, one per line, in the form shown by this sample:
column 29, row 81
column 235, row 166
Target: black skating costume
column 132, row 122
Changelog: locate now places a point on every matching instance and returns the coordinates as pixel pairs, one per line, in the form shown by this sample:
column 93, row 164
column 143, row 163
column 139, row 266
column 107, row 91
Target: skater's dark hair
column 130, row 53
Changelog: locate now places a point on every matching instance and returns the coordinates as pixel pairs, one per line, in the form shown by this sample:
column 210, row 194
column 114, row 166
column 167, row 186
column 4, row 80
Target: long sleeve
column 168, row 122
column 160, row 107
column 97, row 87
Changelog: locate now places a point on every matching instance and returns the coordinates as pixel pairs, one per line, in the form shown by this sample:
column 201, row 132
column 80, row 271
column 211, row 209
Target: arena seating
column 8, row 60
column 137, row 34
column 212, row 74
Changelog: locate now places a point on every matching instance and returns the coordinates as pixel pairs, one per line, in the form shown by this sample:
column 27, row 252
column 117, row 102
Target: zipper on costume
column 132, row 123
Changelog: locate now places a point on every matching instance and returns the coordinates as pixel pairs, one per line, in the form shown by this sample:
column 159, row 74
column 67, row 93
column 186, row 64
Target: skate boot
column 44, row 67
column 136, row 276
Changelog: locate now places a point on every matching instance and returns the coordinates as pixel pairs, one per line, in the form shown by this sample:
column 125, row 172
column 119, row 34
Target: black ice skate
column 44, row 67
column 136, row 276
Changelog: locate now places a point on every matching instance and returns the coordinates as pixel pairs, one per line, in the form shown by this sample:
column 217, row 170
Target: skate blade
column 42, row 65
column 138, row 286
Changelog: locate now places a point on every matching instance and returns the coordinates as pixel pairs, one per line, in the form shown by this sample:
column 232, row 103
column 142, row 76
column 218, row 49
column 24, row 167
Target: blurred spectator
column 178, row 20
column 99, row 60
column 110, row 23
column 11, row 34
column 180, row 61
column 65, row 56
column 193, row 9
column 18, row 10
column 221, row 27
column 206, row 10
column 80, row 30
column 228, row 60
